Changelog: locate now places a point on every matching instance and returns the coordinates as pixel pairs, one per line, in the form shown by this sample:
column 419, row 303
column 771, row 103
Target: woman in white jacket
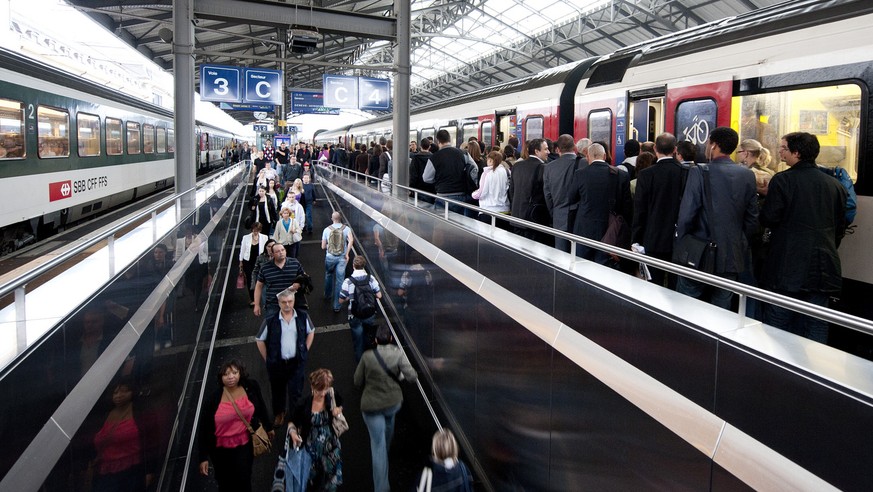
column 493, row 192
column 289, row 229
column 251, row 247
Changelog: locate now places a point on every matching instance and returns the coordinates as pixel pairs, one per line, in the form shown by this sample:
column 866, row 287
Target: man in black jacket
column 805, row 210
column 445, row 170
column 526, row 190
column 416, row 170
column 656, row 206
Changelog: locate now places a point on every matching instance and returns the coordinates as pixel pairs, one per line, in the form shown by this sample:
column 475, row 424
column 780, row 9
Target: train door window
column 148, row 139
column 600, row 125
column 453, row 134
column 11, row 129
column 53, row 131
column 694, row 120
column 171, row 140
column 427, row 133
column 162, row 140
column 488, row 133
column 133, row 138
column 114, row 139
column 533, row 128
column 469, row 130
column 88, row 134
column 832, row 113
column 413, row 136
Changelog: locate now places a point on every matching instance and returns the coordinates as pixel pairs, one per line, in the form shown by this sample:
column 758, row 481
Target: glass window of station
column 11, row 129
column 53, row 132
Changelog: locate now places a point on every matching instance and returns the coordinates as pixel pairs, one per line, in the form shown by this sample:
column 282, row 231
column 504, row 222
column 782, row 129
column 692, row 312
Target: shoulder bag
column 379, row 358
column 694, row 251
column 260, row 440
column 339, row 423
column 618, row 232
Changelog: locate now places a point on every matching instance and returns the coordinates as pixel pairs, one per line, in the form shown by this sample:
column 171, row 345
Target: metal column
column 183, row 72
column 401, row 94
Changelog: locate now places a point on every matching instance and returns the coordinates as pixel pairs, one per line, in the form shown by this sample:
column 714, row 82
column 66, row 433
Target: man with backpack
column 361, row 290
column 336, row 241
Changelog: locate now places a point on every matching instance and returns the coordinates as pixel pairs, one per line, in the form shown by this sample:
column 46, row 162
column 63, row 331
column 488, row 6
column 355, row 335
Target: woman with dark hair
column 251, row 248
column 373, row 168
column 264, row 210
column 224, row 437
column 123, row 456
column 382, row 398
column 312, row 424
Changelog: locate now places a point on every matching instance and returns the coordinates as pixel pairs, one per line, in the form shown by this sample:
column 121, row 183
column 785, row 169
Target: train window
column 413, row 136
column 694, row 120
column 832, row 114
column 133, row 138
column 114, row 139
column 11, row 129
column 171, row 140
column 148, row 139
column 88, row 136
column 600, row 125
column 162, row 140
column 53, row 130
column 427, row 133
column 453, row 133
column 533, row 128
column 469, row 130
column 487, row 132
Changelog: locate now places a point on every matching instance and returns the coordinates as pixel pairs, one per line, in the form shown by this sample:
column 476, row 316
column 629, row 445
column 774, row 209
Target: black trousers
column 233, row 468
column 286, row 383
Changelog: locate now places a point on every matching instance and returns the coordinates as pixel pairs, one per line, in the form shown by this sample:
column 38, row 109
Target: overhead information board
column 340, row 91
column 220, row 83
column 310, row 102
column 374, row 94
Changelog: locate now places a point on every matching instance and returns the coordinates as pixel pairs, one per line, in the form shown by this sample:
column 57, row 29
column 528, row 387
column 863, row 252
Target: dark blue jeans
column 799, row 324
column 439, row 205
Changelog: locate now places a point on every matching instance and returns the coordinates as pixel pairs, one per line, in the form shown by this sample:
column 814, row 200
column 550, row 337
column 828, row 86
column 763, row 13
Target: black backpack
column 364, row 302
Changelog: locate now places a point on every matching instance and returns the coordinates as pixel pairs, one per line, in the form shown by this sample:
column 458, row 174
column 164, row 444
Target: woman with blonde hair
column 445, row 472
column 756, row 157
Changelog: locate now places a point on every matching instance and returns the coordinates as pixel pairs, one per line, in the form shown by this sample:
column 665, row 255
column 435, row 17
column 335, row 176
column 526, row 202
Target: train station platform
column 555, row 373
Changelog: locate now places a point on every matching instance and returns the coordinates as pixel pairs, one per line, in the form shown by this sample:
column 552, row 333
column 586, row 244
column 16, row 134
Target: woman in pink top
column 223, row 436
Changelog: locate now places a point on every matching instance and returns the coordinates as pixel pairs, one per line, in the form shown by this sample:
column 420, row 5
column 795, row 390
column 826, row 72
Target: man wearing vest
column 284, row 341
column 356, row 322
column 445, row 170
column 336, row 241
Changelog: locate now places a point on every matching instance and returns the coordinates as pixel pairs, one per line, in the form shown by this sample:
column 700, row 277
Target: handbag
column 694, row 251
column 292, row 470
column 339, row 423
column 260, row 440
column 241, row 280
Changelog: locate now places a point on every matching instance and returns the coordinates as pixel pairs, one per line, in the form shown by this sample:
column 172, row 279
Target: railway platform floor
column 332, row 349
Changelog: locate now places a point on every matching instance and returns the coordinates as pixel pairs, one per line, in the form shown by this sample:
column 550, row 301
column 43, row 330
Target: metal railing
column 743, row 291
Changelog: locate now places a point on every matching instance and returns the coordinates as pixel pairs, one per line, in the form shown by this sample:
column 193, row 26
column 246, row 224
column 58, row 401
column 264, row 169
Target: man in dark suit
column 734, row 213
column 558, row 188
column 416, row 170
column 526, row 190
column 599, row 190
column 656, row 206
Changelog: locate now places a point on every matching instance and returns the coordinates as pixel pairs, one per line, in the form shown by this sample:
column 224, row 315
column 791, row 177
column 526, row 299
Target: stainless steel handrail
column 847, row 320
column 25, row 278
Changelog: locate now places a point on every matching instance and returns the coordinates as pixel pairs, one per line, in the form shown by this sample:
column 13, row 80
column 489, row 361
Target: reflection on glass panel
column 453, row 133
column 600, row 125
column 832, row 114
column 413, row 136
column 427, row 132
column 114, row 142
column 171, row 140
column 11, row 129
column 533, row 128
column 487, row 132
column 162, row 140
column 89, row 134
column 53, row 130
column 148, row 139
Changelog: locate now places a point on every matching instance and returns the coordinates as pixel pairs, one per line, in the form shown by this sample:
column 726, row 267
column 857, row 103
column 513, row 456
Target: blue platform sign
column 310, row 102
column 263, row 86
column 246, row 107
column 219, row 83
column 340, row 91
column 374, row 94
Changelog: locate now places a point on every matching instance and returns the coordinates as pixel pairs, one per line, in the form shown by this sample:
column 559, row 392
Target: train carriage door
column 505, row 127
column 645, row 114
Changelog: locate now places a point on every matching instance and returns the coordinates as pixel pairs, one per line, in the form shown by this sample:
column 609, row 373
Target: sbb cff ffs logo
column 60, row 190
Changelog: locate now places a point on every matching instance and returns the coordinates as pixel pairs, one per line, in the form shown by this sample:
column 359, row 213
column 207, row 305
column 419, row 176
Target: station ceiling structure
column 457, row 45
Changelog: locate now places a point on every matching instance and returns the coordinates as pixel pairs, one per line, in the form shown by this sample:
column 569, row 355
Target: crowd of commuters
column 778, row 231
